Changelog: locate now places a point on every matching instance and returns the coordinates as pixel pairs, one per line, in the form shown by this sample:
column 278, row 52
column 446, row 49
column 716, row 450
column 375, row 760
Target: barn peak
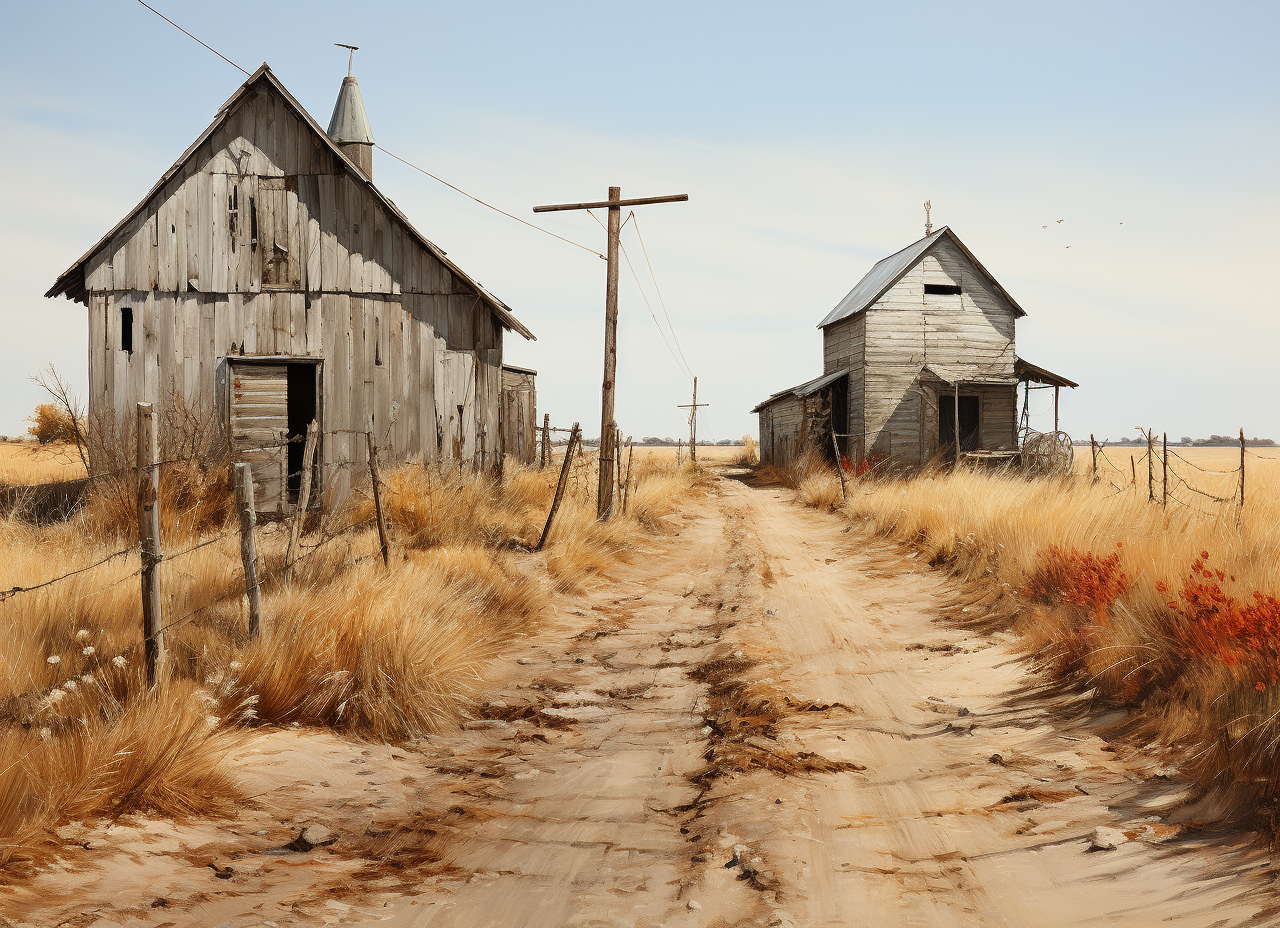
column 349, row 127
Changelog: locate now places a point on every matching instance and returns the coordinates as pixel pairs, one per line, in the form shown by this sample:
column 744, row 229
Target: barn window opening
column 942, row 289
column 253, row 223
column 300, row 407
column 126, row 329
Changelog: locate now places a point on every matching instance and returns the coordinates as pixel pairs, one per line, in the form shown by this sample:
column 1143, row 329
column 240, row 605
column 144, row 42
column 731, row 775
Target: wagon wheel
column 1048, row 453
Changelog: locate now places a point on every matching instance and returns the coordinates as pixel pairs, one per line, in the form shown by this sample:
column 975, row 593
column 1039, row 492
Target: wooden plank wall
column 971, row 333
column 781, row 431
column 261, row 245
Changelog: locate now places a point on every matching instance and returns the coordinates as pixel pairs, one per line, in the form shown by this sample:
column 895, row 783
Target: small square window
column 942, row 289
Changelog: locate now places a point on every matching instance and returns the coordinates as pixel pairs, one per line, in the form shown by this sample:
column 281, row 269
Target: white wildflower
column 45, row 733
column 82, row 635
column 235, row 666
column 87, row 650
column 119, row 661
column 53, row 659
column 86, row 679
column 212, row 721
column 69, row 685
column 55, row 695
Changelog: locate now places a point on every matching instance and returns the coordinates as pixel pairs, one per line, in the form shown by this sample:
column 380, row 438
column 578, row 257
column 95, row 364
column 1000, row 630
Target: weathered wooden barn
column 265, row 281
column 924, row 343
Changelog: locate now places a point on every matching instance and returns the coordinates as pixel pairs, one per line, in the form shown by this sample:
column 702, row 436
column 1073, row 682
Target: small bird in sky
column 1122, row 223
column 1044, row 227
column 1058, row 220
column 1068, row 246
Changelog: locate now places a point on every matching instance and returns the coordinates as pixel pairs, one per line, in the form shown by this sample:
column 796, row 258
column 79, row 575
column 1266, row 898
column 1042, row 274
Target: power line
column 489, row 205
column 658, row 290
column 190, row 36
column 385, row 152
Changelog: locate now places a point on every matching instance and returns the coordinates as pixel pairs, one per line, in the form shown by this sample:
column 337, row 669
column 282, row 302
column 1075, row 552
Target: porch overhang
column 1027, row 372
column 935, row 374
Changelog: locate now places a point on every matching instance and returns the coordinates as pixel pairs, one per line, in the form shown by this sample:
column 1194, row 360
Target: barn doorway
column 272, row 402
column 970, row 422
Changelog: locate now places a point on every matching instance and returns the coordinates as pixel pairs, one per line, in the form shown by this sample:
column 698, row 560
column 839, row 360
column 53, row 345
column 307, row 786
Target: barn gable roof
column 71, row 282
column 808, row 388
column 888, row 271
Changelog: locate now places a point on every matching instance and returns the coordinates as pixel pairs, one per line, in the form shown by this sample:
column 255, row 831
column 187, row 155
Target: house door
column 271, row 406
column 970, row 424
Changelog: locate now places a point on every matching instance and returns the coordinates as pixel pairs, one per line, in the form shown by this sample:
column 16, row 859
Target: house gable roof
column 71, row 282
column 888, row 271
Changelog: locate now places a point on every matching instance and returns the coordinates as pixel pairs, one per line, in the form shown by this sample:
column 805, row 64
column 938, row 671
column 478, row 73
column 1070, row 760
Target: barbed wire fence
column 1170, row 477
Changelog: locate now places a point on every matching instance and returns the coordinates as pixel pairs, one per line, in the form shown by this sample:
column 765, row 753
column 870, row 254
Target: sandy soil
column 763, row 720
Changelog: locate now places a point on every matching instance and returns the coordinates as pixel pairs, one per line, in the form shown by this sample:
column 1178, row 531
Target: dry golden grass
column 24, row 462
column 375, row 652
column 1123, row 595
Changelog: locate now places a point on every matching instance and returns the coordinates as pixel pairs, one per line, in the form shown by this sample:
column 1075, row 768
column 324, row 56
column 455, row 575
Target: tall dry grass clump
column 1170, row 611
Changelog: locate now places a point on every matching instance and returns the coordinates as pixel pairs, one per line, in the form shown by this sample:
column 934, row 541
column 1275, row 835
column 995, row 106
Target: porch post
column 956, row 413
column 1056, row 391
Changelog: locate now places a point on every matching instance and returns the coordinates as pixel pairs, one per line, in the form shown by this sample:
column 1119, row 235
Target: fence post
column 304, row 494
column 679, row 445
column 249, row 546
column 617, row 447
column 626, row 489
column 377, row 498
column 564, row 477
column 1093, row 448
column 1242, row 469
column 546, row 439
column 149, row 540
column 1151, row 471
column 1164, row 469
column 835, row 445
column 1133, row 469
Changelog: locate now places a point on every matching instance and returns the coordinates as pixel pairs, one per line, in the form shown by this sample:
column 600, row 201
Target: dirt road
column 763, row 720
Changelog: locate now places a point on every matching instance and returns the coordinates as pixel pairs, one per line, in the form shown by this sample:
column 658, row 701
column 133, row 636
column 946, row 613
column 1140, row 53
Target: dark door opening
column 970, row 426
column 839, row 420
column 301, row 395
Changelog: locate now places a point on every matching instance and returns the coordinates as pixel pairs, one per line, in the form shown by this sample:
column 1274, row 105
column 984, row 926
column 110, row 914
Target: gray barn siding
column 844, row 345
column 330, row 275
column 971, row 334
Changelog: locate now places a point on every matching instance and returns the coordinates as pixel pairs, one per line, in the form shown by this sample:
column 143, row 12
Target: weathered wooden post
column 626, row 490
column 1242, row 469
column 835, row 445
column 564, row 477
column 693, row 425
column 377, row 498
column 249, row 546
column 149, row 541
column 1164, row 469
column 617, row 447
column 1093, row 448
column 1151, row 470
column 304, row 494
column 546, row 439
column 1133, row 468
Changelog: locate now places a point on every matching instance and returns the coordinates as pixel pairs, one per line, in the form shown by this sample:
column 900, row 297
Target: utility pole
column 693, row 421
column 614, row 204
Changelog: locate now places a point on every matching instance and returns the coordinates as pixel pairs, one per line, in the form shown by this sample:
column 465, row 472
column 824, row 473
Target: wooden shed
column 265, row 281
column 920, row 351
column 520, row 413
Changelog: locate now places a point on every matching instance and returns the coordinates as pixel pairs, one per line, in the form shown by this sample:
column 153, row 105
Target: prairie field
column 381, row 653
column 1167, row 608
column 26, row 462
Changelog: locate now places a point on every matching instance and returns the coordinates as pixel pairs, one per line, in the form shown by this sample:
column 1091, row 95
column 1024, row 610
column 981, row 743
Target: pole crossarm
column 613, row 204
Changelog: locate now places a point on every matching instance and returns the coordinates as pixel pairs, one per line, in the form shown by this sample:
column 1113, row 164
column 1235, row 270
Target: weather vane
column 928, row 226
column 351, row 57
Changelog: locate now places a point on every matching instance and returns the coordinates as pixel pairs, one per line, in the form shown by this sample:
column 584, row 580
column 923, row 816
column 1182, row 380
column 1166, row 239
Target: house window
column 942, row 289
column 126, row 329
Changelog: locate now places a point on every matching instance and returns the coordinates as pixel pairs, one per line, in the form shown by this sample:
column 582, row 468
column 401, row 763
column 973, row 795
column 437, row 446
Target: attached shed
column 923, row 355
column 802, row 416
column 265, row 281
column 520, row 413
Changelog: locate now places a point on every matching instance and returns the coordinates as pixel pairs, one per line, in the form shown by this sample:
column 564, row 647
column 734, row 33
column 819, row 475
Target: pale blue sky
column 807, row 136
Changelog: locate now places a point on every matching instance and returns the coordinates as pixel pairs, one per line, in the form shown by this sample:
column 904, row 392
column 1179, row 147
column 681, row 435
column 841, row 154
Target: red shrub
column 1214, row 624
column 1080, row 578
